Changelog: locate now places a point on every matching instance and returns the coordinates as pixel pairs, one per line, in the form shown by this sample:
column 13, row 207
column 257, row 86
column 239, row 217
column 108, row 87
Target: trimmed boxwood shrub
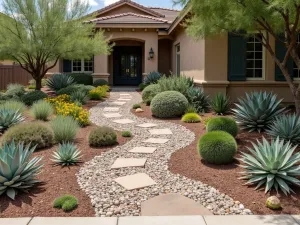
column 169, row 104
column 217, row 147
column 66, row 202
column 82, row 78
column 75, row 87
column 102, row 136
column 149, row 92
column 33, row 96
column 223, row 123
column 100, row 82
column 34, row 133
column 191, row 118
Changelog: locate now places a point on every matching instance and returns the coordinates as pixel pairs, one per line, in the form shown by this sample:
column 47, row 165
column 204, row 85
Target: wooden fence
column 13, row 74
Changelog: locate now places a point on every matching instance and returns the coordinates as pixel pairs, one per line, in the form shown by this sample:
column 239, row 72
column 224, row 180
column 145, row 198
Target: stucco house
column 153, row 39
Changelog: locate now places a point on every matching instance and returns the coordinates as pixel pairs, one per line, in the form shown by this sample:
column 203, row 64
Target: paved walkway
column 177, row 220
column 121, row 180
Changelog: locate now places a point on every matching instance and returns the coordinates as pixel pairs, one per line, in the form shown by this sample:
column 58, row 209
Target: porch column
column 101, row 70
column 151, row 64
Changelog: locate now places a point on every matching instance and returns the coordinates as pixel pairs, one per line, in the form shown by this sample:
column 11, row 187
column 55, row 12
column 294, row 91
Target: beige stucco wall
column 192, row 58
column 164, row 56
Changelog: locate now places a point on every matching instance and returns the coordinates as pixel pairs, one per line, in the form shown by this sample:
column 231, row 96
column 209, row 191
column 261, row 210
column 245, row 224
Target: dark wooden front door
column 127, row 65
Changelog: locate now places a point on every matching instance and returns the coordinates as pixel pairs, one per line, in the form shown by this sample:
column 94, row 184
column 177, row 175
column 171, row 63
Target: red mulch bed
column 56, row 181
column 187, row 162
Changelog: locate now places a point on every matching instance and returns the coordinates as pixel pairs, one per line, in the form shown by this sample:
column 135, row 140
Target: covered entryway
column 127, row 65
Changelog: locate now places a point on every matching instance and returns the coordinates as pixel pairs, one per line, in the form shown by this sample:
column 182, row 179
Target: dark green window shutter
column 67, row 66
column 280, row 53
column 237, row 47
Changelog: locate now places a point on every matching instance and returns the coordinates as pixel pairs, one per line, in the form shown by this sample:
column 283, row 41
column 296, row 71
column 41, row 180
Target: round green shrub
column 136, row 106
column 34, row 133
column 82, row 78
column 126, row 134
column 33, row 96
column 41, row 110
column 169, row 104
column 217, row 147
column 102, row 136
column 142, row 86
column 150, row 91
column 224, row 124
column 65, row 128
column 100, row 82
column 67, row 203
column 191, row 118
column 73, row 88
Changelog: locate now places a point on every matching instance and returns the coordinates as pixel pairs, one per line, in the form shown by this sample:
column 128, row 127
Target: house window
column 83, row 65
column 178, row 70
column 255, row 58
column 296, row 70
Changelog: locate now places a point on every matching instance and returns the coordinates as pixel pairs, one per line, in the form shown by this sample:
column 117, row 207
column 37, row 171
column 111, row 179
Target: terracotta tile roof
column 164, row 8
column 131, row 18
column 130, row 2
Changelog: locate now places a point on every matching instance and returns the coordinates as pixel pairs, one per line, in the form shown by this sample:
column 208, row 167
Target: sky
column 97, row 4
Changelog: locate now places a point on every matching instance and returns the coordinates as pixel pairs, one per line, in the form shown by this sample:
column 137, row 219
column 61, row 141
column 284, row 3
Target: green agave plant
column 152, row 78
column 220, row 104
column 198, row 99
column 286, row 127
column 59, row 81
column 273, row 165
column 9, row 118
column 17, row 169
column 257, row 111
column 66, row 155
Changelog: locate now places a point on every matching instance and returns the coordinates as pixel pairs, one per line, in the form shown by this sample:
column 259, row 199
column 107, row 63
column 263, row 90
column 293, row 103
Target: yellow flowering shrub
column 99, row 92
column 70, row 109
column 63, row 106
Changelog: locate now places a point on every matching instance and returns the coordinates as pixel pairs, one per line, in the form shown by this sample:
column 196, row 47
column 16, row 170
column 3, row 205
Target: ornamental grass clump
column 65, row 128
column 67, row 203
column 224, row 124
column 79, row 96
column 220, row 104
column 32, row 133
column 126, row 134
column 257, row 111
column 9, row 118
column 98, row 93
column 176, row 83
column 18, row 169
column 286, row 127
column 14, row 105
column 67, row 154
column 273, row 165
column 102, row 136
column 169, row 104
column 15, row 90
column 217, row 147
column 42, row 110
column 191, row 118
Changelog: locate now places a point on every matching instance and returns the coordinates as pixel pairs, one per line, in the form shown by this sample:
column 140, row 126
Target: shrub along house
column 153, row 39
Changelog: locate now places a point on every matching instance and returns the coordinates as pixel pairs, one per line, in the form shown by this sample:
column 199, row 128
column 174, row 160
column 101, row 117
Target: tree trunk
column 38, row 84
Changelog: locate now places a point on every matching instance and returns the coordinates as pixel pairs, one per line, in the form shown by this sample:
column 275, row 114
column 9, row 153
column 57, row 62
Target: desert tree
column 272, row 19
column 37, row 33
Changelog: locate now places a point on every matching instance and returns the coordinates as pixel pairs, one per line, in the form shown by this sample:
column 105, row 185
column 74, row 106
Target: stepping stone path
column 156, row 140
column 112, row 115
column 128, row 162
column 136, row 181
column 122, row 179
column 160, row 131
column 111, row 109
column 143, row 150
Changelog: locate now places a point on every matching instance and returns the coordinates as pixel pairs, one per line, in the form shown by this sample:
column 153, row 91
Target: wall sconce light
column 151, row 54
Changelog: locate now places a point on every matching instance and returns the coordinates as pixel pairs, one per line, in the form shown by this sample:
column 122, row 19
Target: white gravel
column 110, row 199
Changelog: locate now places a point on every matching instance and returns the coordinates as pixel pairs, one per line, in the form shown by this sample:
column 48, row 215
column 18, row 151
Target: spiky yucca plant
column 18, row 170
column 59, row 81
column 66, row 155
column 9, row 118
column 257, row 111
column 198, row 99
column 273, row 165
column 286, row 127
column 220, row 104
